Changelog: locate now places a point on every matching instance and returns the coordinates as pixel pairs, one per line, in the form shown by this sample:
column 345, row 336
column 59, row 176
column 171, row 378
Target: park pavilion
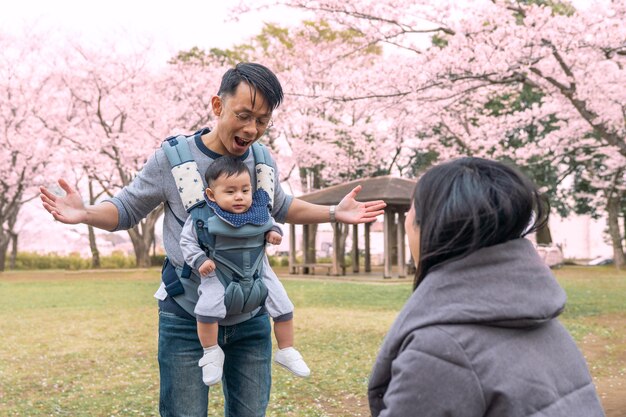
column 396, row 192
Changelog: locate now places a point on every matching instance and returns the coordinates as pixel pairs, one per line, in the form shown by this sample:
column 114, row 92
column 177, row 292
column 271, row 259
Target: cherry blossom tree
column 451, row 59
column 330, row 140
column 325, row 141
column 28, row 94
column 121, row 108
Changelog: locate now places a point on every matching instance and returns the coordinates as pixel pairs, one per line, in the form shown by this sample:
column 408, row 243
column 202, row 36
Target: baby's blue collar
column 258, row 214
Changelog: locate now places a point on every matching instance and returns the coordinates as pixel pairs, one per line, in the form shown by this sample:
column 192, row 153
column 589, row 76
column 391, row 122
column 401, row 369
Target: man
column 243, row 107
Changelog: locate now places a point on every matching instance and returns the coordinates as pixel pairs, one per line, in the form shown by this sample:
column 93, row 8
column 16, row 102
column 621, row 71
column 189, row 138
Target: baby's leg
column 207, row 333
column 283, row 330
column 209, row 309
column 278, row 304
column 287, row 355
column 280, row 308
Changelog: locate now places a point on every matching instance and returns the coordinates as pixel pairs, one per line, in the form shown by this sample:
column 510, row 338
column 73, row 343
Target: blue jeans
column 247, row 367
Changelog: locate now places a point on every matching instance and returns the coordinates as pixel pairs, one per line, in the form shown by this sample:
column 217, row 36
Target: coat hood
column 506, row 285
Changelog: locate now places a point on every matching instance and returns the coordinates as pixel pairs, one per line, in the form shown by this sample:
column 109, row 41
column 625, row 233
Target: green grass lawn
column 84, row 343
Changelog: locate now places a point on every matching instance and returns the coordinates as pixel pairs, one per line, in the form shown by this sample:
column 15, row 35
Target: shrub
column 74, row 262
column 32, row 260
column 276, row 260
column 157, row 260
column 116, row 260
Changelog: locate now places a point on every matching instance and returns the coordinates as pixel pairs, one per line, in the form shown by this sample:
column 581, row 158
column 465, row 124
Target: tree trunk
column 95, row 253
column 310, row 180
column 7, row 225
column 310, row 256
column 5, row 238
column 13, row 257
column 624, row 218
column 345, row 231
column 544, row 236
column 142, row 251
column 142, row 236
column 613, row 209
column 394, row 241
column 93, row 244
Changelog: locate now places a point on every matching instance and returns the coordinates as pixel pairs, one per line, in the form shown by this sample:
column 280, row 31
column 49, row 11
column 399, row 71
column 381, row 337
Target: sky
column 169, row 26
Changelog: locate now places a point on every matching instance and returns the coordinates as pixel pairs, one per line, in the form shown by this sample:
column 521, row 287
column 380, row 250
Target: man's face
column 233, row 194
column 239, row 124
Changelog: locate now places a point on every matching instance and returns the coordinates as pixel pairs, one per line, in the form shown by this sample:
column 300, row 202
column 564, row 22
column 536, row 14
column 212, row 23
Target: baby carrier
column 236, row 250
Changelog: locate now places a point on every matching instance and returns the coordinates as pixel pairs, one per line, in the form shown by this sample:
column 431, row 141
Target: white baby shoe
column 212, row 364
column 291, row 359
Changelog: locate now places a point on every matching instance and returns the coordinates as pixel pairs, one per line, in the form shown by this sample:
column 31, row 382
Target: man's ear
column 210, row 194
column 216, row 104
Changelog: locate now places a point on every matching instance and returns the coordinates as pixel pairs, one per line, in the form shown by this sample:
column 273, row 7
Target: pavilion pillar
column 401, row 248
column 305, row 247
column 368, row 257
column 292, row 249
column 355, row 248
column 336, row 254
column 387, row 235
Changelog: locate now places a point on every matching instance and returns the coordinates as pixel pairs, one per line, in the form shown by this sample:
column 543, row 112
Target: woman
column 479, row 335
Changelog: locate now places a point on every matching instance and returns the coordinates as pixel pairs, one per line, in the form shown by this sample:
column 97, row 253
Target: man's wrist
column 332, row 210
column 104, row 215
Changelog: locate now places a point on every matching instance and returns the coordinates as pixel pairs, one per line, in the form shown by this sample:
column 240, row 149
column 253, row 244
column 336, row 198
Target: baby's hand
column 206, row 268
column 273, row 237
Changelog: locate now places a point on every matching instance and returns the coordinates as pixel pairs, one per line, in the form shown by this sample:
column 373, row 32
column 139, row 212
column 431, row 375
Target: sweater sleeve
column 276, row 227
column 193, row 253
column 145, row 192
column 432, row 376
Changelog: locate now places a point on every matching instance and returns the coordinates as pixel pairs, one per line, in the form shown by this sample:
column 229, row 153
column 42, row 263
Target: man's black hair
column 224, row 165
column 467, row 204
column 260, row 79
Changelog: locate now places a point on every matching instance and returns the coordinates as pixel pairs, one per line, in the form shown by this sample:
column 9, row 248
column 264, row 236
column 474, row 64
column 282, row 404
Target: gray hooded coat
column 479, row 337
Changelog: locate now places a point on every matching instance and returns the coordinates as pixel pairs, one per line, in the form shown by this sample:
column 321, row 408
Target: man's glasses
column 246, row 118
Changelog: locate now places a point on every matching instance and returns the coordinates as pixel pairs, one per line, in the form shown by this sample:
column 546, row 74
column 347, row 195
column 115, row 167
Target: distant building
column 581, row 237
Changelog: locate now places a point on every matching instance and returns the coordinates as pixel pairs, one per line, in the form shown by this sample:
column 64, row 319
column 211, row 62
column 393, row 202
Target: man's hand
column 69, row 208
column 353, row 212
column 273, row 237
column 206, row 268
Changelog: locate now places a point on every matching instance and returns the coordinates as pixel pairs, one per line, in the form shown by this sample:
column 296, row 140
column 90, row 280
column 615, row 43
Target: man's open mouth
column 242, row 142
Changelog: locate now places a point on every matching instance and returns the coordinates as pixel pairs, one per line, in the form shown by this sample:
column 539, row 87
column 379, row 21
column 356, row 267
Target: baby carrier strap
column 185, row 171
column 264, row 168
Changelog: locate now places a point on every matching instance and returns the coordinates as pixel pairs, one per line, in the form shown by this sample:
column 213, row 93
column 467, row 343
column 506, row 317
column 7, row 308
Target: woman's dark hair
column 471, row 203
column 224, row 165
column 258, row 77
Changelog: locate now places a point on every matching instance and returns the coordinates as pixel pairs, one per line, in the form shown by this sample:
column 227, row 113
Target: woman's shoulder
column 440, row 340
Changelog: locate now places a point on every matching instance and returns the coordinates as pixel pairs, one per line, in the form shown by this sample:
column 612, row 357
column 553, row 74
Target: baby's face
column 232, row 194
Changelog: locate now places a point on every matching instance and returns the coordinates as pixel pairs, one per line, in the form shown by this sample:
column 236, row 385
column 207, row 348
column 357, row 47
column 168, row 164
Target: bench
column 300, row 268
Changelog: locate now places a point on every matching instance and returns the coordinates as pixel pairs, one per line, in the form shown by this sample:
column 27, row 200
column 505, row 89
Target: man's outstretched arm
column 70, row 209
column 347, row 211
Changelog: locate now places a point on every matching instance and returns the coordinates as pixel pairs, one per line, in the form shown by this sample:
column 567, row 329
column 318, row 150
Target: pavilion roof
column 393, row 190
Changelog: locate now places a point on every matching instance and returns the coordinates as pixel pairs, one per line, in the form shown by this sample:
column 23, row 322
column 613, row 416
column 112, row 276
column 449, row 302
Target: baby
column 229, row 195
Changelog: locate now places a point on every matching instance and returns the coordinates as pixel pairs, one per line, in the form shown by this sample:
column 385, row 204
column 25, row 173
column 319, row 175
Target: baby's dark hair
column 467, row 204
column 225, row 165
